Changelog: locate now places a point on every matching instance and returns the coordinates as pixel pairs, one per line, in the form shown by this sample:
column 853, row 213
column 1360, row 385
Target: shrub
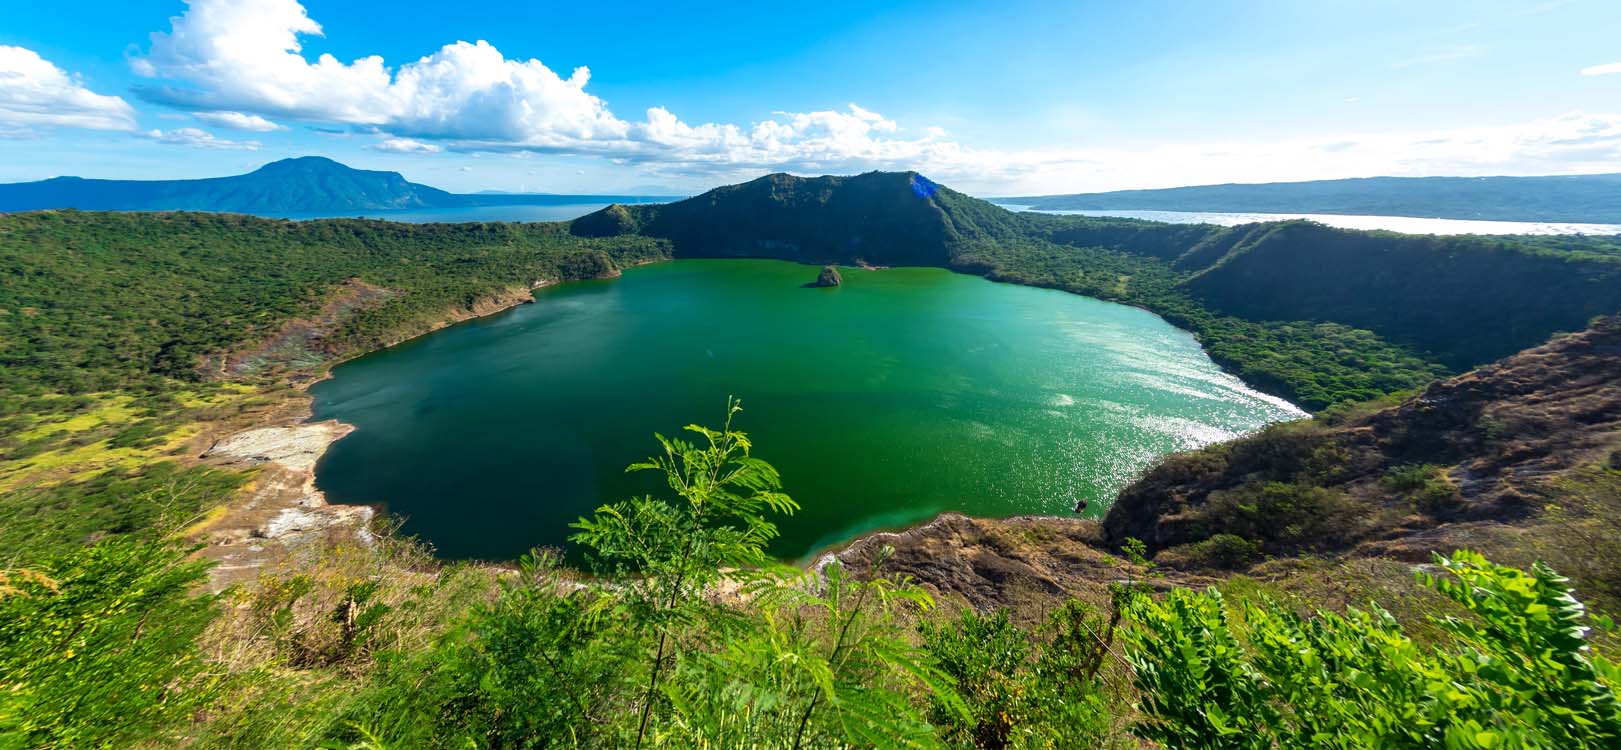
column 1518, row 673
column 1425, row 487
column 1280, row 516
column 1223, row 551
column 98, row 647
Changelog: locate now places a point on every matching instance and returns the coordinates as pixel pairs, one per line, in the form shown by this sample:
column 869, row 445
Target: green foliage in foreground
column 688, row 637
column 1518, row 674
column 652, row 657
column 98, row 648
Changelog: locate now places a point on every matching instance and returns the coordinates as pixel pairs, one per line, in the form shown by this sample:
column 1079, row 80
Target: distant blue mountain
column 1592, row 198
column 309, row 184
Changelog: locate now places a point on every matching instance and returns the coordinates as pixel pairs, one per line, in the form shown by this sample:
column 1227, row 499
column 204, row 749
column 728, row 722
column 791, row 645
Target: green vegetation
column 688, row 636
column 95, row 302
column 1518, row 674
column 98, row 647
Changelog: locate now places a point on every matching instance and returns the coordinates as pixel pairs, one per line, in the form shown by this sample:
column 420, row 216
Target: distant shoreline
column 1400, row 223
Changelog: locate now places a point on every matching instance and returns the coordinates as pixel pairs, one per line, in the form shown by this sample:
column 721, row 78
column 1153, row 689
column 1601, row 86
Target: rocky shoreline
column 281, row 511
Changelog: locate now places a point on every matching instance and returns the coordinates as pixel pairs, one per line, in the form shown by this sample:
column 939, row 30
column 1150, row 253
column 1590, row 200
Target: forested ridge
column 1221, row 607
column 96, row 301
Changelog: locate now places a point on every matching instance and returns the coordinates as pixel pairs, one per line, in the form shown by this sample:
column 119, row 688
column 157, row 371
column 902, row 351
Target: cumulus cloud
column 199, row 138
column 36, row 93
column 1602, row 70
column 407, row 146
column 245, row 57
column 238, row 121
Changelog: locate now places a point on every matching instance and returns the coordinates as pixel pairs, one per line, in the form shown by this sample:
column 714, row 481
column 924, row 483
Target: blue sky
column 995, row 98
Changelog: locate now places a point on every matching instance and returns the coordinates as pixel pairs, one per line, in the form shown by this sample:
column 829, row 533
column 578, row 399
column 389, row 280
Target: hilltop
column 883, row 218
column 1591, row 198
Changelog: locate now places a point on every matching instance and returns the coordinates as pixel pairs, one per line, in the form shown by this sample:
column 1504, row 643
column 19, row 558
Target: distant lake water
column 1404, row 224
column 901, row 394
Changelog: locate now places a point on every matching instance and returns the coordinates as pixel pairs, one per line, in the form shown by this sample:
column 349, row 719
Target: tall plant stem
column 833, row 658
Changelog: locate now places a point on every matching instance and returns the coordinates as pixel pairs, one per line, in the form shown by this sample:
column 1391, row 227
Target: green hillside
column 103, row 301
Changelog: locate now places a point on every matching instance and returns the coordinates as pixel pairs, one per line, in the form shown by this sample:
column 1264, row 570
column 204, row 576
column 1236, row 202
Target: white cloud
column 1602, row 70
column 36, row 93
column 407, row 146
column 245, row 57
column 1570, row 144
column 238, row 121
column 199, row 138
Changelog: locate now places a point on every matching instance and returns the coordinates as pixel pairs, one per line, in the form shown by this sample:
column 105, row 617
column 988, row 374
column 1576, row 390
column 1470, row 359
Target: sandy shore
column 281, row 510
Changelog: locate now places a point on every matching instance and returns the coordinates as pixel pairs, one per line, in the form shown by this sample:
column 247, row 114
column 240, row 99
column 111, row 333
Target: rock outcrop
column 828, row 277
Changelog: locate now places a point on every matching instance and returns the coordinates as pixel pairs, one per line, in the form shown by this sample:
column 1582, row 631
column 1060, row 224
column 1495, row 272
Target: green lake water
column 901, row 394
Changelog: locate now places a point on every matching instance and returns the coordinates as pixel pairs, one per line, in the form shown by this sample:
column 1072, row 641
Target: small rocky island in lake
column 829, row 277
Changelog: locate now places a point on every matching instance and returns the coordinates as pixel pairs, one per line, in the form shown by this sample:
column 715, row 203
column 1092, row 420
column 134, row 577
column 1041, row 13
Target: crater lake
column 901, row 394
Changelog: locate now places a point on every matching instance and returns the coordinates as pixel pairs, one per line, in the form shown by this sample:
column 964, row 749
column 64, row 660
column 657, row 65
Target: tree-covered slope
column 1466, row 300
column 1594, row 198
column 95, row 301
column 879, row 218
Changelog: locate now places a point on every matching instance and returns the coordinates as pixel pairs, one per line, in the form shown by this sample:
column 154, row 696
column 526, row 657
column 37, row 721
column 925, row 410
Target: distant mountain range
column 1593, row 198
column 309, row 184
